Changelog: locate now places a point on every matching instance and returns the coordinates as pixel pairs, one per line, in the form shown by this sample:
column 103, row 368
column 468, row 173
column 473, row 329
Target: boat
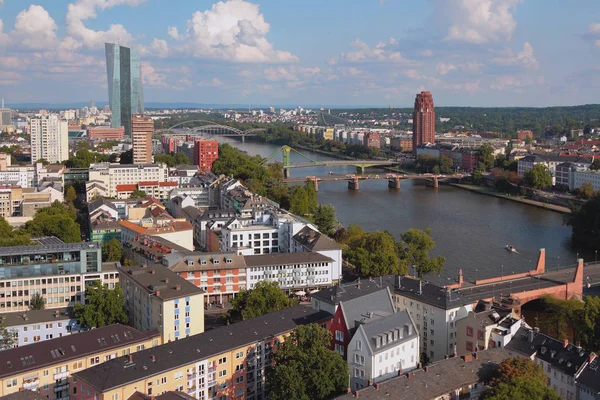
column 330, row 172
column 510, row 248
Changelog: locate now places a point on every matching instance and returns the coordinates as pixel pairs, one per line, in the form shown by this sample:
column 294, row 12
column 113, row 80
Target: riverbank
column 490, row 192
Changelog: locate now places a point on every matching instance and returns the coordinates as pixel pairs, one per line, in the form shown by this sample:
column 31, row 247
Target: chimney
column 370, row 382
column 400, row 372
column 476, row 356
column 356, row 394
column 460, row 278
column 153, row 358
column 157, row 293
column 377, row 386
column 467, row 357
column 166, row 280
column 446, row 357
column 591, row 357
column 426, row 369
column 420, row 366
column 408, row 375
column 177, row 287
column 131, row 358
column 565, row 342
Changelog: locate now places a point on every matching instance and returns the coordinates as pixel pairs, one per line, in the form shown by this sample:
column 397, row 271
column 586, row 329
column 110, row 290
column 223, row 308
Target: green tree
column 586, row 191
column 138, row 194
column 374, row 254
column 585, row 222
column 112, row 250
column 12, row 237
column 559, row 315
column 595, row 165
column 519, row 378
column 311, row 196
column 128, row 262
column 70, row 194
column 486, row 157
column 43, row 161
column 436, row 170
column 589, row 323
column 476, row 177
column 8, row 339
column 55, row 220
column 264, row 298
column 181, row 159
column 103, row 306
column 518, row 367
column 305, row 368
column 37, row 302
column 414, row 249
column 126, row 157
column 446, row 165
column 500, row 160
column 324, row 218
column 538, row 177
column 299, row 201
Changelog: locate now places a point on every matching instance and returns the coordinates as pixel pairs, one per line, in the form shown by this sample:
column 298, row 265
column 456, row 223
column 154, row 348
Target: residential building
column 383, row 346
column 19, row 202
column 372, row 139
column 5, row 116
column 423, row 120
column 106, row 134
column 310, row 240
column 47, row 366
column 205, row 153
column 453, row 378
column 176, row 231
column 108, row 176
column 103, row 221
column 581, row 176
column 141, row 139
column 49, row 139
column 16, row 175
column 125, row 88
column 527, row 163
column 561, row 361
column 156, row 189
column 226, row 362
column 34, row 326
column 404, row 143
column 588, row 382
column 524, row 134
column 157, row 298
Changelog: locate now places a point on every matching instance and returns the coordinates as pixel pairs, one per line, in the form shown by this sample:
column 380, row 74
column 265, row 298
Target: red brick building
column 205, row 153
column 522, row 135
column 372, row 139
column 423, row 120
column 105, row 133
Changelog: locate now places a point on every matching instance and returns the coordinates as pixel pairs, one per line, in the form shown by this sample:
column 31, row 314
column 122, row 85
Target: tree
column 43, row 161
column 486, row 157
column 299, row 201
column 311, row 196
column 476, row 177
column 500, row 160
column 103, row 306
column 585, row 222
column 446, row 165
column 126, row 157
column 538, row 177
column 559, row 315
column 70, row 194
column 8, row 339
column 264, row 298
column 324, row 218
column 414, row 249
column 37, row 302
column 595, row 165
column 56, row 220
column 589, row 323
column 374, row 254
column 519, row 378
column 10, row 237
column 112, row 250
column 305, row 368
column 138, row 194
column 436, row 170
column 586, row 191
column 518, row 367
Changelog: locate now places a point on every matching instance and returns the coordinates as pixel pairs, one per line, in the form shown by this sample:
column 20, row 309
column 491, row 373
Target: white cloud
column 472, row 67
column 515, row 82
column 427, row 53
column 214, row 82
column 524, row 58
column 382, row 52
column 82, row 10
column 443, row 68
column 159, row 47
column 173, row 32
column 594, row 32
column 290, row 74
column 478, row 21
column 3, row 36
column 232, row 30
column 35, row 28
column 153, row 77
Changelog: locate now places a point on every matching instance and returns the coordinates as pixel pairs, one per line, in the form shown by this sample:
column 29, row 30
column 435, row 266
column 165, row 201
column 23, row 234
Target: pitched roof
column 36, row 316
column 99, row 202
column 352, row 290
column 590, row 376
column 380, row 326
column 120, row 371
column 63, row 349
column 24, row 395
column 126, row 188
column 285, row 259
column 315, row 240
column 356, row 310
column 160, row 282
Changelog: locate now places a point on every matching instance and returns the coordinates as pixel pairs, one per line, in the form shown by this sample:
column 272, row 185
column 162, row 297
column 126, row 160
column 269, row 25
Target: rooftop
column 48, row 244
column 398, row 324
column 63, row 349
column 35, row 316
column 315, row 240
column 150, row 362
column 590, row 376
column 160, row 282
column 353, row 290
column 285, row 259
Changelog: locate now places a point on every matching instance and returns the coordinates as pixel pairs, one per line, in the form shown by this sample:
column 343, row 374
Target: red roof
column 167, row 184
column 148, row 183
column 126, row 188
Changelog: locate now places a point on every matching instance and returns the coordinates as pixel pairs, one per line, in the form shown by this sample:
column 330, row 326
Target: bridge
column 214, row 128
column 287, row 164
column 393, row 180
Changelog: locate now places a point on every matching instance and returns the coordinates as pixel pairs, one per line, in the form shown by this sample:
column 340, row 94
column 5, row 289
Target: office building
column 125, row 91
column 47, row 367
column 205, row 153
column 106, row 133
column 5, row 116
column 141, row 138
column 49, row 139
column 423, row 120
column 157, row 298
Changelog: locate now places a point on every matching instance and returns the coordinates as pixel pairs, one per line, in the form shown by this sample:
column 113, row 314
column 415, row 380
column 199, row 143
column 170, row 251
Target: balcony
column 61, row 375
column 63, row 398
column 191, row 390
column 31, row 385
column 61, row 387
column 191, row 377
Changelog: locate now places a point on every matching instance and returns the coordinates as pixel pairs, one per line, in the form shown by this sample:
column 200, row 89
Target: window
column 339, row 336
column 480, row 335
column 222, row 373
column 358, row 359
column 239, row 379
column 239, row 354
column 469, row 331
column 239, row 367
column 11, row 382
column 161, row 381
column 339, row 349
column 222, row 360
column 358, row 345
column 469, row 346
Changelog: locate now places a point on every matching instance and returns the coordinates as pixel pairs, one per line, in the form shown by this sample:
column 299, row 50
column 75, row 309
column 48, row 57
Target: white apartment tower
column 49, row 139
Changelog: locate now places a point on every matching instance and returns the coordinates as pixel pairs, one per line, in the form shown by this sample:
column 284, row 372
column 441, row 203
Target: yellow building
column 325, row 134
column 47, row 366
column 225, row 363
column 158, row 298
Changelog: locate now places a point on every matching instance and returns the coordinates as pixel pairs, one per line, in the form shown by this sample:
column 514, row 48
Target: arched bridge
column 214, row 128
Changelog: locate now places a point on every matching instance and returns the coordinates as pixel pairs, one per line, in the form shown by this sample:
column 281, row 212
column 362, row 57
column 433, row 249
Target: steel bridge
column 287, row 164
column 214, row 128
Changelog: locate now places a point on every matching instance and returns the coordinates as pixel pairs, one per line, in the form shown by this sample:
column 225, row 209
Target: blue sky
column 308, row 52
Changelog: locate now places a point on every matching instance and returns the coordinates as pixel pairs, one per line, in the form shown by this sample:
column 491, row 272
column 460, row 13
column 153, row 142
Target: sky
column 307, row 52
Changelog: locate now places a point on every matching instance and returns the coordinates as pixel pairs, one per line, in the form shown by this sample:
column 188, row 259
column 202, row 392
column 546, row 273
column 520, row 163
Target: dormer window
column 378, row 342
column 202, row 262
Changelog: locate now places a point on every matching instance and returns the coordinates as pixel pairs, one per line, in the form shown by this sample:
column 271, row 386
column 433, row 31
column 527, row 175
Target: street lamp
column 596, row 251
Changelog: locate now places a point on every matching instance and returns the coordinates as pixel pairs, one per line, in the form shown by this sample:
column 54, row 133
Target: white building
column 382, row 345
column 111, row 175
column 49, row 139
column 581, row 176
column 311, row 240
column 23, row 176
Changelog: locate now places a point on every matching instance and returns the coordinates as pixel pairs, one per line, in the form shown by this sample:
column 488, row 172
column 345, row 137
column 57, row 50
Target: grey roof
column 205, row 261
column 120, row 371
column 315, row 240
column 63, row 349
column 437, row 379
column 400, row 322
column 24, row 395
column 285, row 259
column 355, row 310
column 590, row 376
column 95, row 204
column 48, row 244
column 160, row 281
column 569, row 359
column 36, row 316
column 192, row 212
column 352, row 290
column 431, row 294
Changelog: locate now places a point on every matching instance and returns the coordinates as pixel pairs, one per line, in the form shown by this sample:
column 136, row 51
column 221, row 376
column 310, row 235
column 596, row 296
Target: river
column 469, row 229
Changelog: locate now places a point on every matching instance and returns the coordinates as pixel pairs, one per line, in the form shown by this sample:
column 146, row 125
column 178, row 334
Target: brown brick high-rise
column 141, row 139
column 423, row 120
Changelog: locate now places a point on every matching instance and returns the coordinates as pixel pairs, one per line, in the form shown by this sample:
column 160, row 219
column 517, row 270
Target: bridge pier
column 353, row 183
column 360, row 170
column 394, row 183
column 243, row 138
column 315, row 182
column 286, row 172
column 435, row 182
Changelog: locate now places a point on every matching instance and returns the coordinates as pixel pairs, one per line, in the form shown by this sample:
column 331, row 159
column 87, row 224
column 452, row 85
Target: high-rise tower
column 141, row 139
column 125, row 92
column 423, row 120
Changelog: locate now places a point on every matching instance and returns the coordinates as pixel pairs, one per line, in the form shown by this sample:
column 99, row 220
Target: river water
column 469, row 229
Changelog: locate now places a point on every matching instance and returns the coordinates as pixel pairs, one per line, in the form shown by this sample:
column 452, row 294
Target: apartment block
column 110, row 175
column 106, row 133
column 49, row 139
column 225, row 363
column 47, row 367
column 141, row 139
column 157, row 298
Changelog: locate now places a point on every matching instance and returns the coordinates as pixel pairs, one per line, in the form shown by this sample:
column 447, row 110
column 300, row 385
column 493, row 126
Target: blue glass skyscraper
column 125, row 91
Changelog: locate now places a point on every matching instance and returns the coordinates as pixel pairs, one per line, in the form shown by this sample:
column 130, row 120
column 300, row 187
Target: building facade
column 423, row 120
column 49, row 139
column 108, row 176
column 141, row 139
column 205, row 153
column 106, row 133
